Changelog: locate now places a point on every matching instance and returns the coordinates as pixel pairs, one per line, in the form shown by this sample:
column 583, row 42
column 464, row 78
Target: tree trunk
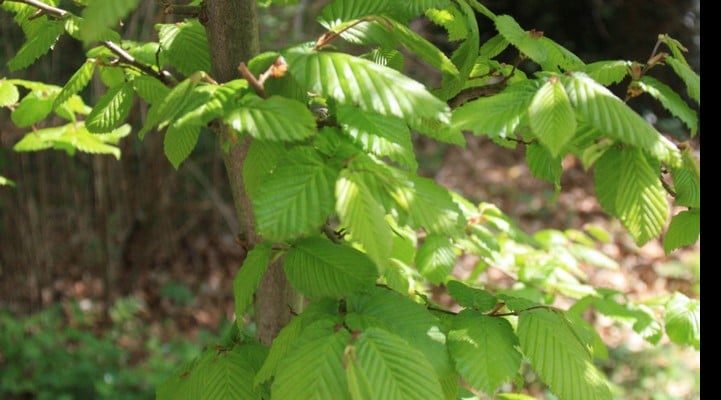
column 233, row 36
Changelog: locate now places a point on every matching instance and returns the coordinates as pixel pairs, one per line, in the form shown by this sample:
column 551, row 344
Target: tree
column 343, row 236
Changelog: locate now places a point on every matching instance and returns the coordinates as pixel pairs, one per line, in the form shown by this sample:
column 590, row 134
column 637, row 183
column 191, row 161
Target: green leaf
column 358, row 384
column 9, row 94
column 71, row 137
column 687, row 181
column 684, row 230
column 543, row 164
column 451, row 19
column 430, row 206
column 484, row 350
column 111, row 110
column 372, row 87
column 6, row 182
column 551, row 116
column 559, row 357
column 559, row 56
column 363, row 216
column 76, row 83
column 395, row 369
column 683, row 320
column 607, row 72
column 262, row 158
column 314, row 371
column 641, row 201
column 35, row 106
column 99, row 15
column 150, row 88
column 164, row 111
column 36, row 45
column 436, row 258
column 111, row 75
column 688, row 76
column 607, row 176
column 248, row 278
column 600, row 108
column 318, row 267
column 497, row 116
column 379, row 135
column 275, row 118
column 179, row 143
column 671, row 101
column 185, row 45
column 525, row 42
column 296, row 199
column 469, row 297
column 282, row 343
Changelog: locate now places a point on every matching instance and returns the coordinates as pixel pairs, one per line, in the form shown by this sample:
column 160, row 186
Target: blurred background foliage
column 114, row 272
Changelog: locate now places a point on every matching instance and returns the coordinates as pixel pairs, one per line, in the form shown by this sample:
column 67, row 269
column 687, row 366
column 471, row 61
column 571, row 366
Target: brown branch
column 184, row 10
column 126, row 58
column 45, row 8
column 248, row 76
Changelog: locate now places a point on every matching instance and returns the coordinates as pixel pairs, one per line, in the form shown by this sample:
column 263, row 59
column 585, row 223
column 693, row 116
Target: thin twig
column 46, row 8
column 126, row 58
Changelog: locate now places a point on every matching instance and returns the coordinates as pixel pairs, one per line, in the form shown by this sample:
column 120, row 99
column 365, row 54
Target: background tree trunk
column 233, row 36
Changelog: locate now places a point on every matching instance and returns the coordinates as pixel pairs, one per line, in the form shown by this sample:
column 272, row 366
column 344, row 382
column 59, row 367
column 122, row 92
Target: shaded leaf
column 470, row 297
column 684, row 230
column 683, row 320
column 76, row 83
column 671, row 101
column 36, row 45
column 436, row 258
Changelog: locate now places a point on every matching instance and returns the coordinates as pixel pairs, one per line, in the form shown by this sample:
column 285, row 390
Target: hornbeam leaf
column 683, row 320
column 379, row 135
column 641, row 201
column 670, row 100
column 436, row 258
column 523, row 40
column 185, row 45
column 600, row 108
column 179, row 143
column 394, row 369
column 248, row 277
column 684, row 230
column 372, row 87
column 111, row 109
column 687, row 181
column 318, row 267
column 551, row 116
column 688, row 76
column 76, row 83
column 35, row 106
column 607, row 72
column 484, row 350
column 99, row 15
column 559, row 357
column 275, row 118
column 430, row 206
column 607, row 176
column 364, row 217
column 36, row 45
column 497, row 116
column 294, row 200
column 314, row 371
column 163, row 111
column 470, row 297
column 543, row 164
column 9, row 94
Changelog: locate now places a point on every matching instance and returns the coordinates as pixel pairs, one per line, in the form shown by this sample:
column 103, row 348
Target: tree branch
column 45, row 8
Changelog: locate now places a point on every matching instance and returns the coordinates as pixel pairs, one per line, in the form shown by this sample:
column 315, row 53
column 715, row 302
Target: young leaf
column 684, row 230
column 76, row 83
column 525, row 42
column 248, row 277
column 430, row 206
column 358, row 384
column 185, row 45
column 607, row 72
column 99, row 15
column 601, row 109
column 379, row 135
column 688, row 76
column 35, row 106
column 318, row 267
column 372, row 87
column 9, row 94
column 364, row 217
column 150, row 88
column 262, row 158
column 395, row 369
column 314, row 371
column 275, row 118
column 279, row 350
column 497, row 116
column 451, row 19
column 484, row 350
column 607, row 176
column 559, row 56
column 180, row 142
column 641, row 201
column 296, row 199
column 37, row 45
column 671, row 101
column 687, row 181
column 111, row 110
column 683, row 320
column 559, row 357
column 543, row 164
column 6, row 182
column 436, row 258
column 163, row 111
column 551, row 116
column 469, row 297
